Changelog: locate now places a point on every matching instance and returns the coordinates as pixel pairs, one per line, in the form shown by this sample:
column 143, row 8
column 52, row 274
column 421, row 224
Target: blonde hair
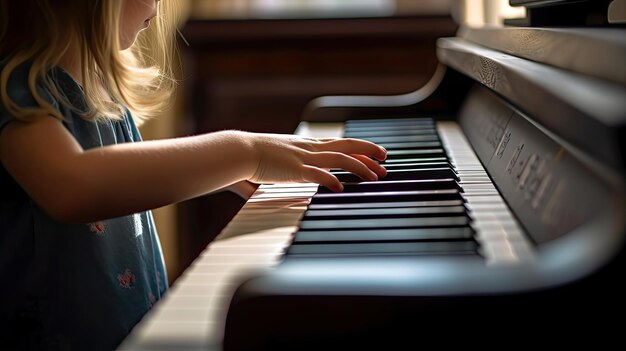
column 140, row 78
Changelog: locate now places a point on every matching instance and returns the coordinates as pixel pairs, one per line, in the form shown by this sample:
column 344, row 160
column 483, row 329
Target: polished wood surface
column 259, row 74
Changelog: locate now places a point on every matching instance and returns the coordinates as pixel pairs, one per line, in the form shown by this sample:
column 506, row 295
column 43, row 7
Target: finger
column 338, row 160
column 322, row 177
column 380, row 171
column 354, row 146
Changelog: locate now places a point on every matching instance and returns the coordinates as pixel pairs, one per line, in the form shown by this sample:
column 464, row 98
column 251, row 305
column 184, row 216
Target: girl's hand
column 289, row 158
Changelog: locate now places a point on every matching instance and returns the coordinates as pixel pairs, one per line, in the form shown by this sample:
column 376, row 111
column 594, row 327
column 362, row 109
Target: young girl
column 80, row 261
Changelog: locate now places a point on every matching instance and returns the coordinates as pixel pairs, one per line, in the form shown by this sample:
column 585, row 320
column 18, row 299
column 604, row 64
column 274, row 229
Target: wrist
column 240, row 151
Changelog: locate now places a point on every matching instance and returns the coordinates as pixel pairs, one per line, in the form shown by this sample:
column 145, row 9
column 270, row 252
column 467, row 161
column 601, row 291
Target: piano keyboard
column 436, row 200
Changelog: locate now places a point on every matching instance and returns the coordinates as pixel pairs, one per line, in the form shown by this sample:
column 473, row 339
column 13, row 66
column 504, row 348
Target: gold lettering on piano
column 503, row 144
column 513, row 161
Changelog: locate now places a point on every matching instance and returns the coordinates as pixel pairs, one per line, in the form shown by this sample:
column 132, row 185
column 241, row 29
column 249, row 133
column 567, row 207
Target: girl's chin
column 126, row 44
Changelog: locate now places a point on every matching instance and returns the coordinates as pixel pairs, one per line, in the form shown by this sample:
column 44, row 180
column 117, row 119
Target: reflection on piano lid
column 503, row 210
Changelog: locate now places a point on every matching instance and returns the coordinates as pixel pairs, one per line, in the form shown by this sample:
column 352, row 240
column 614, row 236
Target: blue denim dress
column 72, row 286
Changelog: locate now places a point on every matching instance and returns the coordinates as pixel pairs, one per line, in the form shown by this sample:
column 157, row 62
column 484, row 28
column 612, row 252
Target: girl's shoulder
column 18, row 89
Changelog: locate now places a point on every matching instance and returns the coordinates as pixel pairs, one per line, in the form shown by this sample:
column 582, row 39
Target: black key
column 398, row 128
column 403, row 174
column 401, row 139
column 416, row 153
column 415, row 160
column 387, row 196
column 387, row 121
column 382, row 223
column 398, row 212
column 406, row 131
column 411, row 145
column 411, row 248
column 397, row 185
column 417, row 165
column 391, row 204
column 354, row 129
column 366, row 235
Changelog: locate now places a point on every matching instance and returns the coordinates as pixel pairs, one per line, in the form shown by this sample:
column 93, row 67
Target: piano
column 502, row 218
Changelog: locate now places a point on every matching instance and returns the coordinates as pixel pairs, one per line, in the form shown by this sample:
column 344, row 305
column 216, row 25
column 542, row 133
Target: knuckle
column 351, row 141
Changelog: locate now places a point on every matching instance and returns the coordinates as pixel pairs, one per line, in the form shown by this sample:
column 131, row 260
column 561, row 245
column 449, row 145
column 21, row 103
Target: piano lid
column 542, row 13
column 595, row 52
column 549, row 73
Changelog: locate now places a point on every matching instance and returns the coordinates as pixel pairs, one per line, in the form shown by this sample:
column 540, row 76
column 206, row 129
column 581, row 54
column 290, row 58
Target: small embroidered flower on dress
column 97, row 227
column 126, row 279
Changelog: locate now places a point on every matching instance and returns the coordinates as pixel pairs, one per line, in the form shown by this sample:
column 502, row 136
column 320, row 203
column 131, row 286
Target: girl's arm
column 76, row 185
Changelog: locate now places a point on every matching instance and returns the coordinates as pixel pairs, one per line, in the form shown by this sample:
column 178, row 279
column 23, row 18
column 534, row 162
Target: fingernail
column 384, row 153
column 383, row 172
